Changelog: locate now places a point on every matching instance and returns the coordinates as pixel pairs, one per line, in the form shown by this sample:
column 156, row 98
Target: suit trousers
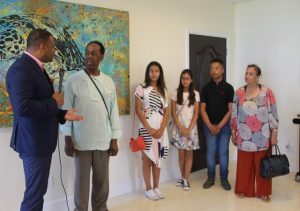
column 248, row 172
column 98, row 162
column 36, row 170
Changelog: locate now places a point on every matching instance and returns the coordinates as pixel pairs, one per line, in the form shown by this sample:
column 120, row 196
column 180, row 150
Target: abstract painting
column 73, row 26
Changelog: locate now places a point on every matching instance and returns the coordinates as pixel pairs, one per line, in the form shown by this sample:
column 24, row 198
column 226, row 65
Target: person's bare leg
column 188, row 164
column 156, row 175
column 147, row 164
column 181, row 161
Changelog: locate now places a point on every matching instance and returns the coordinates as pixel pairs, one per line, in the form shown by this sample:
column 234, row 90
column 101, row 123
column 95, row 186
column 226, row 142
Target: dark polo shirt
column 217, row 96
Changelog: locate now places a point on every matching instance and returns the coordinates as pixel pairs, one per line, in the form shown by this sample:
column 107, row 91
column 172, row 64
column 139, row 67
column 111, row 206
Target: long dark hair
column 191, row 89
column 161, row 80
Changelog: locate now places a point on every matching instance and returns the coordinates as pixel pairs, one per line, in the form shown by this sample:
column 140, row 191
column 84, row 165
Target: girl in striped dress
column 151, row 106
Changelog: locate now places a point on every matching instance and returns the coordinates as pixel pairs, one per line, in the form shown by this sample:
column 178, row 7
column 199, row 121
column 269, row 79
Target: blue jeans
column 220, row 144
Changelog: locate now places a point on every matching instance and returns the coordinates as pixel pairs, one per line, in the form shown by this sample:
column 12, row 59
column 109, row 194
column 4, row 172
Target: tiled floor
column 286, row 197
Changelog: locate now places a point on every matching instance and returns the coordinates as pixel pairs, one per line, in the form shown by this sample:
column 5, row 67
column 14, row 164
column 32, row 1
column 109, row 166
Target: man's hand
column 59, row 98
column 214, row 130
column 71, row 116
column 113, row 148
column 69, row 147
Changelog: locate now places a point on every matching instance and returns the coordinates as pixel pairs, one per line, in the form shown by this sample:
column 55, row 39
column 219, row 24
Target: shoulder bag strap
column 183, row 104
column 99, row 93
column 134, row 113
column 133, row 124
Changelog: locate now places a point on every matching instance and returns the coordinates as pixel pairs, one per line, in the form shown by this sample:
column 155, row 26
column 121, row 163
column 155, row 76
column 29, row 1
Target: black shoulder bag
column 274, row 165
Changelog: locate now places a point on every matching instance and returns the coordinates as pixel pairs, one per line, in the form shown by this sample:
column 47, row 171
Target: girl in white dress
column 151, row 106
column 185, row 111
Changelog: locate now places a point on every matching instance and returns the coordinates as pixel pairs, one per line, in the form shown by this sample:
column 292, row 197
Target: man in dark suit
column 36, row 115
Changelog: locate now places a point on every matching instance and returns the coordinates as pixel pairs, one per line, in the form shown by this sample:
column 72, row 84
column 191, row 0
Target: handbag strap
column 183, row 104
column 134, row 114
column 133, row 124
column 99, row 93
column 179, row 112
column 277, row 151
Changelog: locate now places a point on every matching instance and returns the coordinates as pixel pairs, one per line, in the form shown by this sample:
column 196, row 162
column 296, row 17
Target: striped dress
column 153, row 105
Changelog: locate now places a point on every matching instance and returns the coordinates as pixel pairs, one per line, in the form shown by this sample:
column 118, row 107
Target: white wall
column 157, row 32
column 268, row 34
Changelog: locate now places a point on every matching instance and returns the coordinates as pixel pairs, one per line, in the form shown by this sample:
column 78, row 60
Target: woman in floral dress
column 254, row 124
column 151, row 106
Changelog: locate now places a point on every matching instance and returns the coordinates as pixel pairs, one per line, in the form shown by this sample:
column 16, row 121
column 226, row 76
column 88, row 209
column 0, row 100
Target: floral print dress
column 153, row 105
column 253, row 119
column 185, row 115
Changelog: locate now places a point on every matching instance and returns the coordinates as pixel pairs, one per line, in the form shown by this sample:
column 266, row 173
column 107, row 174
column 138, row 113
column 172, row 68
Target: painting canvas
column 73, row 26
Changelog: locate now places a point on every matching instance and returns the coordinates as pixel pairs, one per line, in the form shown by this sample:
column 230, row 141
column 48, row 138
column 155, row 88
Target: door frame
column 210, row 34
column 216, row 35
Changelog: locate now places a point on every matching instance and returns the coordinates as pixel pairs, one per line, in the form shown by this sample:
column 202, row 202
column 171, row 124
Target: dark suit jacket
column 36, row 114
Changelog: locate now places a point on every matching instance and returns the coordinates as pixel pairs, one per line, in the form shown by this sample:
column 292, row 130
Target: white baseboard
column 136, row 184
column 60, row 205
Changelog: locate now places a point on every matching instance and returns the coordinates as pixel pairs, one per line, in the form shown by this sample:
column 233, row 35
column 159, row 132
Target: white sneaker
column 179, row 182
column 159, row 194
column 186, row 185
column 150, row 194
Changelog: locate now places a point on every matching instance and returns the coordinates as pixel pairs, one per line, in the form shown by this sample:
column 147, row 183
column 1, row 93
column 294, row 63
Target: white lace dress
column 185, row 116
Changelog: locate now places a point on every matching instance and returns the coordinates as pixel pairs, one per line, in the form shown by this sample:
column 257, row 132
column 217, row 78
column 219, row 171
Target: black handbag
column 274, row 165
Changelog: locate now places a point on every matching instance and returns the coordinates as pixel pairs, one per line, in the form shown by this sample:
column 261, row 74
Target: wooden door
column 201, row 51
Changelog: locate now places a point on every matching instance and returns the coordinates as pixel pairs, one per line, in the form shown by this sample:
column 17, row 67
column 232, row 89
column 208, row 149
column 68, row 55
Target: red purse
column 136, row 144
